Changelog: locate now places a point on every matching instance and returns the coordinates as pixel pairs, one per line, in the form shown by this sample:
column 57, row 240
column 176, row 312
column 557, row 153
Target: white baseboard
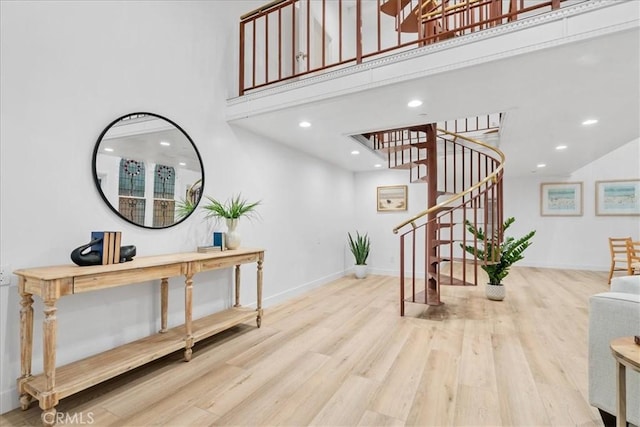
column 9, row 400
column 584, row 267
column 298, row 290
column 420, row 274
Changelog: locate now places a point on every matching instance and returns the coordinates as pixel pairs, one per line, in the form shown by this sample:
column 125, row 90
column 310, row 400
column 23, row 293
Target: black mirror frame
column 95, row 172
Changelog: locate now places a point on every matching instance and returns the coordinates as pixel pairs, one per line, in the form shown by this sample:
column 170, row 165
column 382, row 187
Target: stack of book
column 109, row 246
column 207, row 249
column 218, row 243
column 219, row 240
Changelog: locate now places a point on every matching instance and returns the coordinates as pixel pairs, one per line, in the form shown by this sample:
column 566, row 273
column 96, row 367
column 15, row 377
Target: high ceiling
column 545, row 94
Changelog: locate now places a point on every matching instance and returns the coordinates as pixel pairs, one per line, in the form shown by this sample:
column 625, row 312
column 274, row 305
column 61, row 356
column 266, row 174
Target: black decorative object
column 127, row 253
column 83, row 258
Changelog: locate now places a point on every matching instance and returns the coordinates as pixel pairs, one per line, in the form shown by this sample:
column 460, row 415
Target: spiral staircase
column 463, row 177
column 434, row 20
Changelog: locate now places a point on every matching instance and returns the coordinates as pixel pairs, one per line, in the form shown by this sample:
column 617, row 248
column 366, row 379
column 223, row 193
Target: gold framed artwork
column 392, row 198
column 561, row 199
column 619, row 197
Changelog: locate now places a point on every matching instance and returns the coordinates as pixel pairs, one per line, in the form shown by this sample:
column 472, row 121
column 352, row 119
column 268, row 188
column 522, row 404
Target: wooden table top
column 72, row 270
column 627, row 352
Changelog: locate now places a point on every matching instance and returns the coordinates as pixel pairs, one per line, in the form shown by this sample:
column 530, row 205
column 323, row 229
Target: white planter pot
column 361, row 271
column 232, row 238
column 495, row 292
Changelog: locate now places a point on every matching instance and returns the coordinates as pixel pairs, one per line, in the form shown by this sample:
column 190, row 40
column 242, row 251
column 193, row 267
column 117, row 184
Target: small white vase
column 360, row 270
column 495, row 292
column 232, row 239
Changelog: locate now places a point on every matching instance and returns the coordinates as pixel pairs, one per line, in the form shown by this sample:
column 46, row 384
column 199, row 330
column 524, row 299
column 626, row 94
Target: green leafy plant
column 232, row 208
column 360, row 247
column 499, row 256
column 184, row 208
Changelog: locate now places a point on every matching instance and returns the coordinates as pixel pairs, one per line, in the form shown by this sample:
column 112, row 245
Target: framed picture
column 618, row 197
column 392, row 198
column 561, row 199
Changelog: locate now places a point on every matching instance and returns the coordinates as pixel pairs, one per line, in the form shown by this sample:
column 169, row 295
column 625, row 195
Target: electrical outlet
column 5, row 275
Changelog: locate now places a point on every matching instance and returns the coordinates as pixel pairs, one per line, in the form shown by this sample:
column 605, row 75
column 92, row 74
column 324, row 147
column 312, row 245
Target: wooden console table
column 51, row 283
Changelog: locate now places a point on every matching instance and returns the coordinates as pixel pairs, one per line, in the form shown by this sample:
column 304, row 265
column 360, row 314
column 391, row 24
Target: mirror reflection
column 148, row 170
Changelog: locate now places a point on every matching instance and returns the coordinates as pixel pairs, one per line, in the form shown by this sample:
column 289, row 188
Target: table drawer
column 125, row 277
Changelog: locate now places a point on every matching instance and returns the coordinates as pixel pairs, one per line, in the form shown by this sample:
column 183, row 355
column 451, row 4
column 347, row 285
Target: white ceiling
column 545, row 94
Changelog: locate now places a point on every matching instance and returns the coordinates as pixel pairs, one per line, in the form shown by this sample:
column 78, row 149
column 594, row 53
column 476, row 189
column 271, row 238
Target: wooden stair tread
column 394, row 149
column 407, row 165
column 409, row 24
column 403, row 147
column 437, row 260
column 411, row 21
column 391, row 7
column 447, row 241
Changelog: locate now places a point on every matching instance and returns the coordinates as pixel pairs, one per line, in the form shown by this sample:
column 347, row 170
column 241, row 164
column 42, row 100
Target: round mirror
column 148, row 170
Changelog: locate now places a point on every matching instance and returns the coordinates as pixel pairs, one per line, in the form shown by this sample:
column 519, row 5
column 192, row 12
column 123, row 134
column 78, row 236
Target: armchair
column 613, row 314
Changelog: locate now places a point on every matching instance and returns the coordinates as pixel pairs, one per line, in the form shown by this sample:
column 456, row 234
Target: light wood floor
column 342, row 356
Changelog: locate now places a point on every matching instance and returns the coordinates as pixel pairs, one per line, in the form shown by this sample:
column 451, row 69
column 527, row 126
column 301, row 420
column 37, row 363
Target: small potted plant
column 231, row 211
column 360, row 247
column 498, row 256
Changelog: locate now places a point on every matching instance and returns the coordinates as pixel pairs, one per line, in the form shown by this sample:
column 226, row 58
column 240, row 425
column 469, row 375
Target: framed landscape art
column 392, row 198
column 561, row 199
column 618, row 197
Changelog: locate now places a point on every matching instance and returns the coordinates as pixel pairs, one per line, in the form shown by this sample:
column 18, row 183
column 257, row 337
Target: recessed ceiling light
column 414, row 103
column 110, row 150
column 561, row 147
column 182, row 164
column 590, row 122
column 377, row 165
column 165, row 143
column 355, row 152
column 304, row 124
column 541, row 165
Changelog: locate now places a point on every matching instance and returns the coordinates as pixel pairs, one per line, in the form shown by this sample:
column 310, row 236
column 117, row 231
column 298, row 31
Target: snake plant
column 360, row 247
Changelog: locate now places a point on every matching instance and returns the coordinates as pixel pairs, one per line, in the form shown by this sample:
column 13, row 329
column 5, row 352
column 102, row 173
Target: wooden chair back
column 618, row 248
column 633, row 257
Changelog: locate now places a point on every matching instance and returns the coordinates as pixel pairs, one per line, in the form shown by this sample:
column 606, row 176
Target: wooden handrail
column 492, row 177
column 262, row 9
column 447, row 9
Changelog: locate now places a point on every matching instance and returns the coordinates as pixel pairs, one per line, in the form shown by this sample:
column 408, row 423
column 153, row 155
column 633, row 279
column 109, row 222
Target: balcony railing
column 287, row 39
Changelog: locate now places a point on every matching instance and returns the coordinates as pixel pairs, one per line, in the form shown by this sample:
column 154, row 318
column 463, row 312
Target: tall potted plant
column 360, row 247
column 498, row 256
column 231, row 211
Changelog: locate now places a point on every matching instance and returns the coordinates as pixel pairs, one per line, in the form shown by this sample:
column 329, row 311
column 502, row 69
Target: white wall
column 574, row 242
column 560, row 242
column 69, row 69
column 385, row 246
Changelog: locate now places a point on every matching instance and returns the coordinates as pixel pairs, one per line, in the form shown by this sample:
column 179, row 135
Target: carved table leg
column 237, row 304
column 164, row 304
column 48, row 399
column 26, row 344
column 188, row 303
column 259, row 290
